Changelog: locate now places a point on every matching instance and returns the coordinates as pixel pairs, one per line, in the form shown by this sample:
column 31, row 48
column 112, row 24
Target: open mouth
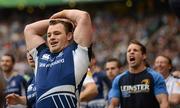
column 132, row 59
column 53, row 44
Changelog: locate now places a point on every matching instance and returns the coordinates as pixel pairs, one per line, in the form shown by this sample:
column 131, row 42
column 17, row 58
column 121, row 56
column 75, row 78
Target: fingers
column 12, row 96
column 12, row 99
column 56, row 15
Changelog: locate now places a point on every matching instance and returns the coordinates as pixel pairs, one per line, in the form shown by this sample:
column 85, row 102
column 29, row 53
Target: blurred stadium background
column 115, row 23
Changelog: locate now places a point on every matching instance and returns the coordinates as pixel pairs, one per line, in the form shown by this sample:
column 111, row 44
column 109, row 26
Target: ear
column 144, row 56
column 69, row 36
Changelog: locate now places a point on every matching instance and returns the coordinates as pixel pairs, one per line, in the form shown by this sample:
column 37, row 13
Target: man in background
column 163, row 65
column 2, row 90
column 139, row 86
column 15, row 83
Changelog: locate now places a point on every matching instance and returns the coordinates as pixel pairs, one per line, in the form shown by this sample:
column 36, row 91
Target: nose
column 109, row 71
column 52, row 37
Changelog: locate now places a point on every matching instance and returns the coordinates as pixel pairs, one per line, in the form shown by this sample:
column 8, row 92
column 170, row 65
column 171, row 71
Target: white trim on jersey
column 80, row 66
column 81, row 63
column 64, row 88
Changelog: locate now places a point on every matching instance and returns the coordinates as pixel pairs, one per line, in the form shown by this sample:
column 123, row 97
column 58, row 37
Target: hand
column 14, row 99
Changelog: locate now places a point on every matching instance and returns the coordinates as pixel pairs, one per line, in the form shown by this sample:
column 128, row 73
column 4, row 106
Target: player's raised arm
column 33, row 33
column 83, row 27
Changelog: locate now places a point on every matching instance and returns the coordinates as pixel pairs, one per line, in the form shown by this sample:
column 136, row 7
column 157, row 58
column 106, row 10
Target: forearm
column 174, row 99
column 163, row 100
column 23, row 100
column 83, row 27
column 33, row 33
column 89, row 93
column 164, row 105
column 114, row 103
column 37, row 28
column 73, row 15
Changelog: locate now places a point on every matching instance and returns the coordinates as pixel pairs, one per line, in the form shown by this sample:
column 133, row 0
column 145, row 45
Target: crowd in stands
column 160, row 33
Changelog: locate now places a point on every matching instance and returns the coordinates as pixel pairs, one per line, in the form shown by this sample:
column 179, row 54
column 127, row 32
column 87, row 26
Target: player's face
column 57, row 38
column 30, row 60
column 162, row 65
column 134, row 56
column 112, row 69
column 6, row 64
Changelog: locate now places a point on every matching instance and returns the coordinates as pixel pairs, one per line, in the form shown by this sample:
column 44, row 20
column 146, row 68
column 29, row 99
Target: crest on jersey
column 30, row 87
column 145, row 81
column 13, row 83
column 46, row 57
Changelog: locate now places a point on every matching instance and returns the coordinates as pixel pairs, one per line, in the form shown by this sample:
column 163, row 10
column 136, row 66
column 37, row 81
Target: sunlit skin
column 162, row 66
column 112, row 69
column 57, row 38
column 135, row 58
column 6, row 64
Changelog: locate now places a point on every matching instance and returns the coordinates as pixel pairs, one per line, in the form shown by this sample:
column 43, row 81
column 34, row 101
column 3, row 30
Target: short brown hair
column 143, row 48
column 114, row 60
column 11, row 56
column 67, row 24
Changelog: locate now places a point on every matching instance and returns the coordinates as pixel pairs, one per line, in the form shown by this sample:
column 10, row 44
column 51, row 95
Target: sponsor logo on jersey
column 13, row 83
column 46, row 57
column 41, row 64
column 143, row 87
column 31, row 87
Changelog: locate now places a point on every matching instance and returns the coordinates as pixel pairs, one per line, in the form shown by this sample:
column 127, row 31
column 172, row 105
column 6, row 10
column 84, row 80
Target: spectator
column 163, row 65
column 139, row 86
column 2, row 90
column 15, row 83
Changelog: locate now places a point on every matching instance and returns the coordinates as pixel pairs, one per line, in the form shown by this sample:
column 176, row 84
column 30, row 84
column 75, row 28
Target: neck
column 165, row 75
column 8, row 74
column 137, row 69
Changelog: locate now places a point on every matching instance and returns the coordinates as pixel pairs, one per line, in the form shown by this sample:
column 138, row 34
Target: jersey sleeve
column 115, row 90
column 35, row 51
column 159, row 83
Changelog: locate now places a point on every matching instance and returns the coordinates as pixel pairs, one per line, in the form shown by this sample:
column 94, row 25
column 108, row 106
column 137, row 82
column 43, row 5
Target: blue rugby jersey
column 31, row 93
column 138, row 90
column 16, row 84
column 59, row 76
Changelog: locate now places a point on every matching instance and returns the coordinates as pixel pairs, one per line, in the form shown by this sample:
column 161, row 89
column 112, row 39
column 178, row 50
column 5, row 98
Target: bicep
column 83, row 31
column 162, row 100
column 33, row 33
column 33, row 41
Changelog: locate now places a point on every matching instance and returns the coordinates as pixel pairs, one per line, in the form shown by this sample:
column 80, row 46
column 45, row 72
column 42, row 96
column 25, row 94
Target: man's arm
column 174, row 99
column 14, row 99
column 89, row 92
column 83, row 27
column 33, row 33
column 114, row 103
column 163, row 100
column 114, row 94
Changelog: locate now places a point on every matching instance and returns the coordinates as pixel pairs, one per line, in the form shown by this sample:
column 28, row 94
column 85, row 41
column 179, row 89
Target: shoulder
column 154, row 74
column 120, row 76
